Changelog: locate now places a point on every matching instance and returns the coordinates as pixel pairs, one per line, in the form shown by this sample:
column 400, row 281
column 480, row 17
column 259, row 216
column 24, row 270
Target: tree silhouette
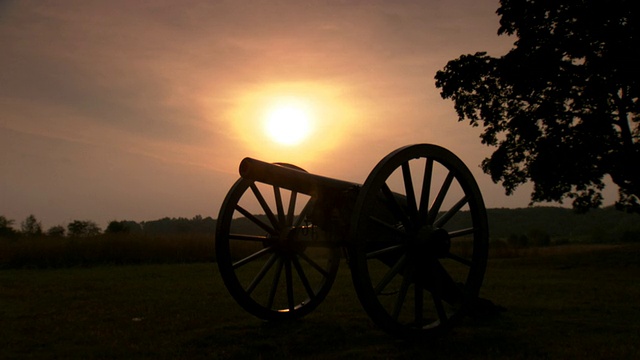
column 196, row 225
column 56, row 231
column 31, row 226
column 562, row 105
column 83, row 228
column 123, row 227
column 6, row 227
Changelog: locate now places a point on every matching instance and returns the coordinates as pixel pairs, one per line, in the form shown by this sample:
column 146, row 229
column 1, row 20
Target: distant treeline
column 84, row 243
column 181, row 240
column 31, row 227
column 561, row 225
column 165, row 226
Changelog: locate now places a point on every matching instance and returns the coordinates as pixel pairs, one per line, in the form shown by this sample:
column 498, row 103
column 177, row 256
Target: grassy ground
column 576, row 302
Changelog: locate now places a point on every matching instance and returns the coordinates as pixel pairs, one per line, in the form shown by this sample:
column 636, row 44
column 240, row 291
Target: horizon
column 16, row 224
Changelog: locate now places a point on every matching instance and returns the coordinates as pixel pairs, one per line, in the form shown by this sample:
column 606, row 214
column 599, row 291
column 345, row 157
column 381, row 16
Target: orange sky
column 139, row 110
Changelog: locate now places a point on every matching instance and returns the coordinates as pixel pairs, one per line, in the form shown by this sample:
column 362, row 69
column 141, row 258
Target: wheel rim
column 276, row 265
column 418, row 259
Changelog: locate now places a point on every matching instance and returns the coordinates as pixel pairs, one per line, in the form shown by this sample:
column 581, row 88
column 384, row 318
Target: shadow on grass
column 326, row 338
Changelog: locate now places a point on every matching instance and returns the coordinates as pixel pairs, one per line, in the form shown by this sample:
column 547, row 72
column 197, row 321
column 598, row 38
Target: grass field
column 575, row 302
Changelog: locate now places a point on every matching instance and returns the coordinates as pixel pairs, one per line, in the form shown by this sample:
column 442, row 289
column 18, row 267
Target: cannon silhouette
column 414, row 234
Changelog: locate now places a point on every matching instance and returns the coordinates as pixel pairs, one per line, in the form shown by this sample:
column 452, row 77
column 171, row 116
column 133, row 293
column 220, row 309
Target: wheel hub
column 288, row 240
column 432, row 242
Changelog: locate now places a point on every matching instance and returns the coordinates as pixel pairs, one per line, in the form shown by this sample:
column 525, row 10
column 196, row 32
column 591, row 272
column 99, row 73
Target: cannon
column 414, row 235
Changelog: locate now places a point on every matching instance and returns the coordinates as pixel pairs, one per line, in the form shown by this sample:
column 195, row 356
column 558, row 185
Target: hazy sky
column 137, row 110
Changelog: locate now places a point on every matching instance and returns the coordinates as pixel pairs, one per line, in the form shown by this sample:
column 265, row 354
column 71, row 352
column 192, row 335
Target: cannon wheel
column 276, row 265
column 419, row 241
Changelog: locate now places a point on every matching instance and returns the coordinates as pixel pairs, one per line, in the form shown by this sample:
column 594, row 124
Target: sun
column 292, row 122
column 288, row 122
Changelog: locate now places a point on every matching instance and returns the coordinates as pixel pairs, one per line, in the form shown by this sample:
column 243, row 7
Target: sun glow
column 292, row 122
column 288, row 122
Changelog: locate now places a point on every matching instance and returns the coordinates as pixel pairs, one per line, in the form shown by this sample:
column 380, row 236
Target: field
column 578, row 302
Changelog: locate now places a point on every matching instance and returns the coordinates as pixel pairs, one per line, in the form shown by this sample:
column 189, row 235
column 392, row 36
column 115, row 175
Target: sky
column 139, row 110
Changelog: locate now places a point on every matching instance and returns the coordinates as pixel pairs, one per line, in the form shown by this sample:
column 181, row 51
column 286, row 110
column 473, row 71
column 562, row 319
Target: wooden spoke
column 386, row 250
column 446, row 288
column 279, row 206
column 256, row 221
column 274, row 284
column 289, row 279
column 314, row 265
column 425, row 192
column 393, row 227
column 437, row 203
column 263, row 204
column 410, row 192
column 459, row 259
column 461, row 232
column 252, row 257
column 418, row 290
column 441, row 281
column 292, row 207
column 402, row 294
column 303, row 214
column 265, row 269
column 442, row 314
column 418, row 297
column 243, row 237
column 450, row 213
column 390, row 275
column 394, row 206
column 303, row 277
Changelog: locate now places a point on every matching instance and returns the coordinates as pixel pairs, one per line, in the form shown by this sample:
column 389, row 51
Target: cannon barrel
column 291, row 178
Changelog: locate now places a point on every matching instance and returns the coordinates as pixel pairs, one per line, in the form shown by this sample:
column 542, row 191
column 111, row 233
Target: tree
column 116, row 227
column 6, row 227
column 123, row 227
column 31, row 226
column 83, row 228
column 562, row 106
column 56, row 231
column 196, row 225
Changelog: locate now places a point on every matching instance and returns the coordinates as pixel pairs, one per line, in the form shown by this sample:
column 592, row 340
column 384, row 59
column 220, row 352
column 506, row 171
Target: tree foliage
column 181, row 225
column 31, row 226
column 562, row 106
column 123, row 227
column 83, row 228
column 6, row 227
column 56, row 231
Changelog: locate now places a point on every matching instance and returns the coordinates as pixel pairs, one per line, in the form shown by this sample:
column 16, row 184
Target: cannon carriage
column 414, row 234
